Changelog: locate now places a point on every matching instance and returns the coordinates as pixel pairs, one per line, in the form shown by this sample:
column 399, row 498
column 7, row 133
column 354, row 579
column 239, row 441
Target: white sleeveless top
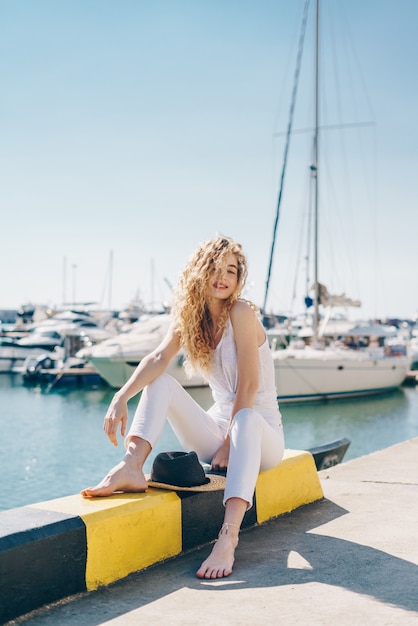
column 223, row 375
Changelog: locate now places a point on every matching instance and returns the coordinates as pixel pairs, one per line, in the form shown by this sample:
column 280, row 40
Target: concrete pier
column 55, row 549
column 348, row 558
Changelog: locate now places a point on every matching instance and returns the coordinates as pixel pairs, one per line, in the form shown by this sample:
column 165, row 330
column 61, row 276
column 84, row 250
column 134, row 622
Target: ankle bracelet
column 225, row 526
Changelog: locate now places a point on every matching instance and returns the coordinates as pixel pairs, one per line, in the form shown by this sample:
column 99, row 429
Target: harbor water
column 53, row 445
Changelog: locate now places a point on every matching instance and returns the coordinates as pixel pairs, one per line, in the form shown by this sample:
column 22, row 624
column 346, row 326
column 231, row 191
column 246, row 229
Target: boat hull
column 116, row 371
column 13, row 357
column 324, row 376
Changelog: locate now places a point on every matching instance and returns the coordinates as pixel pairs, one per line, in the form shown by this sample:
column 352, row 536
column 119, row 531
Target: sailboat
column 318, row 371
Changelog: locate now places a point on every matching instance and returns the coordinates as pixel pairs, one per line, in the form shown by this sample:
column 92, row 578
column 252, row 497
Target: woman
column 223, row 338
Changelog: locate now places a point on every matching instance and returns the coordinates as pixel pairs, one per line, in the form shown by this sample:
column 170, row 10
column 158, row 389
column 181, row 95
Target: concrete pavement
column 351, row 558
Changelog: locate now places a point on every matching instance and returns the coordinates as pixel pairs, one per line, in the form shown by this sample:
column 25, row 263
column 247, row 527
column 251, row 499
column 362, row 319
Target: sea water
column 53, row 445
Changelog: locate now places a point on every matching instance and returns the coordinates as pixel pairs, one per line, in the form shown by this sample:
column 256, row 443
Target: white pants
column 257, row 441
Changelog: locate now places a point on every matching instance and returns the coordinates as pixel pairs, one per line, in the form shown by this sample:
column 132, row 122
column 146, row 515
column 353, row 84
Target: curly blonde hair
column 190, row 310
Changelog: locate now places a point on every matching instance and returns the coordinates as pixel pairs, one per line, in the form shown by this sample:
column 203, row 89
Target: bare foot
column 220, row 561
column 120, row 478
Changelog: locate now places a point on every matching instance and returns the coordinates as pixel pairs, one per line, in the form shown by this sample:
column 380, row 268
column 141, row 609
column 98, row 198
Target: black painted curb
column 43, row 558
column 202, row 515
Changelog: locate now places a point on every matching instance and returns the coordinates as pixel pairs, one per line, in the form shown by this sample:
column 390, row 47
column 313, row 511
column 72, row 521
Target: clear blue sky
column 144, row 128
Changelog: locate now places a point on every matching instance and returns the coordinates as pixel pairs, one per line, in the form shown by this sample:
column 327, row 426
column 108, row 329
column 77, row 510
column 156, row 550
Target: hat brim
column 216, row 483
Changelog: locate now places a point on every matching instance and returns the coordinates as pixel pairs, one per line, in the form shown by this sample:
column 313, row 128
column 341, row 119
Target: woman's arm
column 151, row 366
column 247, row 331
column 248, row 334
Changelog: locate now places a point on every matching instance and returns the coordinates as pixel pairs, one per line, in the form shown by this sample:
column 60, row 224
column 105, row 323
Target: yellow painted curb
column 129, row 532
column 293, row 483
column 125, row 532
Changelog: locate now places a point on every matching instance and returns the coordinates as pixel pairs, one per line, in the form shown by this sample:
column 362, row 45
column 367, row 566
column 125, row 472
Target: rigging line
column 300, row 131
column 305, row 217
column 359, row 66
column 337, row 72
column 286, row 151
column 355, row 69
column 358, row 69
column 372, row 192
column 284, row 83
column 347, row 164
column 309, row 241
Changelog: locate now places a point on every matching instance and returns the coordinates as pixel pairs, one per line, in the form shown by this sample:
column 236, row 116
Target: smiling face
column 223, row 279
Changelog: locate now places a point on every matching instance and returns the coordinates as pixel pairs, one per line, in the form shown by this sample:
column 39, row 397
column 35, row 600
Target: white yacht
column 116, row 359
column 357, row 364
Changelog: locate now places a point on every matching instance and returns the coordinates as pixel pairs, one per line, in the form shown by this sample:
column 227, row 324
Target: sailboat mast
column 315, row 175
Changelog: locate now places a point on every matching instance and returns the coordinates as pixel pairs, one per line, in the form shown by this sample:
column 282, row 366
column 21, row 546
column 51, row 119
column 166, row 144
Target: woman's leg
column 195, row 428
column 255, row 445
column 221, row 560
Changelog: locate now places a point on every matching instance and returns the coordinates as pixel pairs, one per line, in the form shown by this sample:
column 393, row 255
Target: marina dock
column 350, row 557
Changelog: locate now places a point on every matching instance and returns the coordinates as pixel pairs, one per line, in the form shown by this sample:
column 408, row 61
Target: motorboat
column 116, row 358
column 63, row 364
column 47, row 336
column 13, row 352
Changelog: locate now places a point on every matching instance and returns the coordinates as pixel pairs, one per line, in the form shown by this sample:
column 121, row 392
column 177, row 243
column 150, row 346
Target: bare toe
column 220, row 561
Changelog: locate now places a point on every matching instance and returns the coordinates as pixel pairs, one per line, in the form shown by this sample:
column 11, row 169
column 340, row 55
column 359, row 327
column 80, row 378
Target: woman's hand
column 117, row 413
column 221, row 456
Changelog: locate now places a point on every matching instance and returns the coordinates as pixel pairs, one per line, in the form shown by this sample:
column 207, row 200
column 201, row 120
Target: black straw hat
column 182, row 471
